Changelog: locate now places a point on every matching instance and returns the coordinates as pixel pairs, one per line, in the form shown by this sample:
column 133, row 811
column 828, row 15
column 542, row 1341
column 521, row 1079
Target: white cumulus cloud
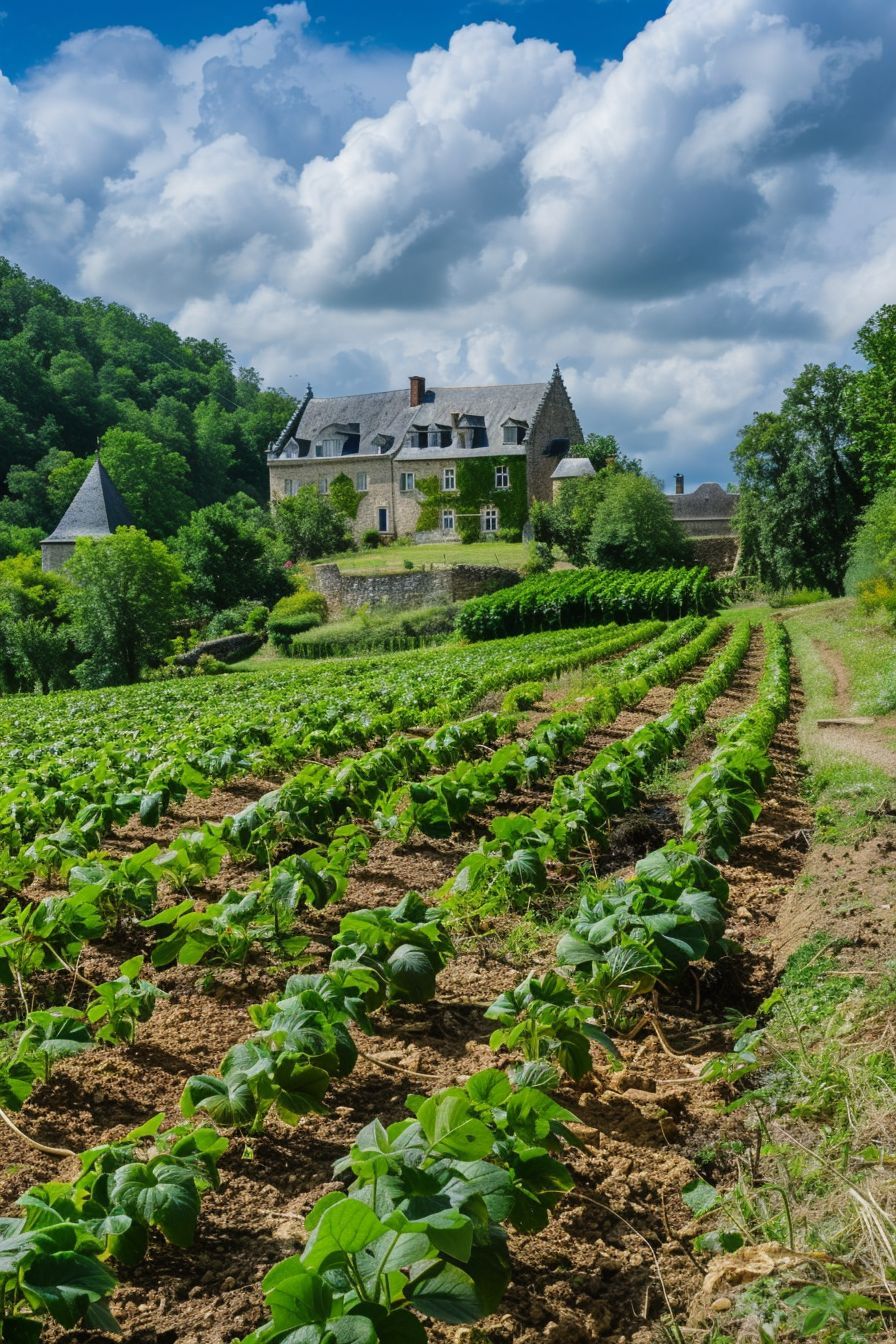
column 681, row 229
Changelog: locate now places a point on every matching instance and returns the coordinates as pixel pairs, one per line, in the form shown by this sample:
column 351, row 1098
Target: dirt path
column 867, row 744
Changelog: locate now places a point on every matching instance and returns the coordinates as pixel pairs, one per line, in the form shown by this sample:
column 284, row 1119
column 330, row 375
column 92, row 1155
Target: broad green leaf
column 159, row 1194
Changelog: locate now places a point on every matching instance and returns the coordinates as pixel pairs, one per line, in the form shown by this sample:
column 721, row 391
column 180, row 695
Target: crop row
column 482, row 1155
column 60, row 811
column 511, row 862
column 585, row 596
column 723, row 800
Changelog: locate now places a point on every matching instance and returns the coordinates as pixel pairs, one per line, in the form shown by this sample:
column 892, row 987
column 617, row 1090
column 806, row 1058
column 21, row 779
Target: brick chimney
column 679, row 484
column 418, row 390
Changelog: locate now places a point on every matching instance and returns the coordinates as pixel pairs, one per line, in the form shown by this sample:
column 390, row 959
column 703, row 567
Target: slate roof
column 707, row 501
column 389, row 413
column 96, row 510
column 571, row 467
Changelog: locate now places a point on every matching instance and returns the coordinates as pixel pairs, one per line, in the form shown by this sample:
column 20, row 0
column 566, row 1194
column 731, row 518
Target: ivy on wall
column 344, row 496
column 475, row 489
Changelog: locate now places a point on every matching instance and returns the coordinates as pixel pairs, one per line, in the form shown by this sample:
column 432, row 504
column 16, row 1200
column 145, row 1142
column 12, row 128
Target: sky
column 679, row 206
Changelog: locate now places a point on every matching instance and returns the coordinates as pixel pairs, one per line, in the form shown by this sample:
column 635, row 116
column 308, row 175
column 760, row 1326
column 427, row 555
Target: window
column 447, row 520
column 480, row 438
column 449, row 479
column 440, row 438
column 289, row 487
column 328, row 448
column 502, row 478
column 514, row 434
column 323, row 486
column 406, row 482
column 361, row 480
column 490, row 520
column 382, row 519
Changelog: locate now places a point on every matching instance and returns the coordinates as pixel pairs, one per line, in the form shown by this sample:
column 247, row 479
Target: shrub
column 249, row 617
column 380, row 631
column 209, row 666
column 509, row 534
column 295, row 615
column 370, row 538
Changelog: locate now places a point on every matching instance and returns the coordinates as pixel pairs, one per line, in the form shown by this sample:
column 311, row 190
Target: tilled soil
column 593, row 1273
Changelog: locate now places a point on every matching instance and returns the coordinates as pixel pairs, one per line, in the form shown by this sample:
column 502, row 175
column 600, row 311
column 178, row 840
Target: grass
column 813, row 1075
column 391, row 559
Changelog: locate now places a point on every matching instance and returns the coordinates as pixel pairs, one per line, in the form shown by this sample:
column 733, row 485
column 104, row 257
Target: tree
column 871, row 402
column 308, row 525
column 151, row 478
column 634, row 527
column 126, row 591
column 871, row 575
column 602, row 450
column 36, row 647
column 568, row 522
column 226, row 552
column 801, row 489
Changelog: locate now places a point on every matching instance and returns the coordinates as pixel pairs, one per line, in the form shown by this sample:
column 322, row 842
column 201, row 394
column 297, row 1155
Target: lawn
column 389, row 559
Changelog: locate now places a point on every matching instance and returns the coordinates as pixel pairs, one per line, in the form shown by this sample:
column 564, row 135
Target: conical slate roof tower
column 96, row 511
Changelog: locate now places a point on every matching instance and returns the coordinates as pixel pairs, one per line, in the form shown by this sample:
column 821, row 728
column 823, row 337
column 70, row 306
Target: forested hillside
column 181, row 427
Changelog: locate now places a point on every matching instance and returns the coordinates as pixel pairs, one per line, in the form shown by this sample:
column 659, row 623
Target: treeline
column 180, row 426
column 818, row 473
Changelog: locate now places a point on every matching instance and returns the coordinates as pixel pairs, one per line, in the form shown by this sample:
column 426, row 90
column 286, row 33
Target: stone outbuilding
column 571, row 469
column 96, row 511
column 442, row 464
column 707, row 511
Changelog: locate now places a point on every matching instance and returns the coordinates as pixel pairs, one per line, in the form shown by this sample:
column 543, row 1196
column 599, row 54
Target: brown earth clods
column 592, row 1274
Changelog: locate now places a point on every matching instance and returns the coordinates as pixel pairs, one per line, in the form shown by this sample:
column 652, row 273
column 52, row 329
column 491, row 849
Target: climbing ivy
column 475, row 489
column 344, row 496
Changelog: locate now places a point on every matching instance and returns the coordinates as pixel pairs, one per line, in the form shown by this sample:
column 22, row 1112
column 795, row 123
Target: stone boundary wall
column 720, row 554
column 410, row 588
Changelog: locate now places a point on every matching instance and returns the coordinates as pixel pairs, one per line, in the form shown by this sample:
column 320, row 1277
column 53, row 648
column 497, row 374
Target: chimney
column 418, row 390
column 679, row 484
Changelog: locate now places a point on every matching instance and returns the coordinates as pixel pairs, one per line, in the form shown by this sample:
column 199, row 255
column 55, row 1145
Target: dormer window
column 514, row 432
column 480, row 437
column 382, row 443
column 430, row 436
column 329, row 448
column 475, row 434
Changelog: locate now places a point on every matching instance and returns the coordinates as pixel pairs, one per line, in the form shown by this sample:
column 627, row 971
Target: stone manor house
column 441, row 463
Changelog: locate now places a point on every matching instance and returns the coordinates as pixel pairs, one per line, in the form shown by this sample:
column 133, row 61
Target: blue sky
column 680, row 212
column 595, row 29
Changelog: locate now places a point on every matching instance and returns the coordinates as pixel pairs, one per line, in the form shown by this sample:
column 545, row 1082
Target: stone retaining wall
column 721, row 554
column 410, row 588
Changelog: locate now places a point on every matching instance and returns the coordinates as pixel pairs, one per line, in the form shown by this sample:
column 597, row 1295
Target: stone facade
column 409, row 588
column 385, row 442
column 719, row 554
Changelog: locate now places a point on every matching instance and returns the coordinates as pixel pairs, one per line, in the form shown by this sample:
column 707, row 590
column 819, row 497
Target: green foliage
column 381, row 630
column 309, row 525
column 801, row 486
column 871, row 575
column 723, row 799
column 475, row 481
column 344, row 497
column 71, row 371
column 295, row 615
column 585, row 597
column 126, row 592
column 871, row 401
column 405, row 947
column 227, row 553
column 633, row 527
column 151, row 477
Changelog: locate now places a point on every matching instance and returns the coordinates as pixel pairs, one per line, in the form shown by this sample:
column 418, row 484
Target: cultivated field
column 376, row 1000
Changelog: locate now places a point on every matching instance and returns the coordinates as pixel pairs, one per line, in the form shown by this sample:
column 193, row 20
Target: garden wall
column 410, row 588
column 719, row 554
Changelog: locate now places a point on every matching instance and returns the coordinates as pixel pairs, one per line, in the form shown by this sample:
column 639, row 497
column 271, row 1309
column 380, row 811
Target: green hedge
column 589, row 597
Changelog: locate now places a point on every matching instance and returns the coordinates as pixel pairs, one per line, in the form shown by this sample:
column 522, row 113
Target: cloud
column 681, row 229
